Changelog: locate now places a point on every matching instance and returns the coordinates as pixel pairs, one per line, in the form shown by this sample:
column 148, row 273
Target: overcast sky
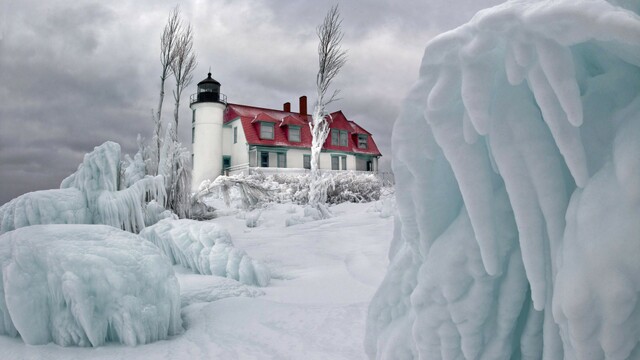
column 74, row 74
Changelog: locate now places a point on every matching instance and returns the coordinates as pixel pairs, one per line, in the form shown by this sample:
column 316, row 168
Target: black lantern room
column 209, row 91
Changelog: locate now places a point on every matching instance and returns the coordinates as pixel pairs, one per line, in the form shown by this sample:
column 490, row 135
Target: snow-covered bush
column 90, row 196
column 207, row 249
column 85, row 285
column 257, row 188
column 516, row 159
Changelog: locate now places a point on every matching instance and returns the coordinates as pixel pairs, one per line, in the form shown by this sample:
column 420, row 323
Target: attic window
column 266, row 130
column 339, row 137
column 362, row 141
column 294, row 133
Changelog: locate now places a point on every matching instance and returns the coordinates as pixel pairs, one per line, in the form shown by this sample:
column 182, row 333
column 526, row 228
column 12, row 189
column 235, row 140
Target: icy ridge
column 91, row 196
column 206, row 249
column 85, row 285
column 516, row 152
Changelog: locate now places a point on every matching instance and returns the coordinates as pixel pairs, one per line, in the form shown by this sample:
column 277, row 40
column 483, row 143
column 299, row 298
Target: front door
column 264, row 159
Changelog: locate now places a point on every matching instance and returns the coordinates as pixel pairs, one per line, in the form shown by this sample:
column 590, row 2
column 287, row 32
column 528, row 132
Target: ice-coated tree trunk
column 331, row 58
column 167, row 56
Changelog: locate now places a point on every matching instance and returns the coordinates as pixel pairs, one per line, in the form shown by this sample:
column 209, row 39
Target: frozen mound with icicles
column 516, row 157
column 85, row 285
column 91, row 196
column 206, row 249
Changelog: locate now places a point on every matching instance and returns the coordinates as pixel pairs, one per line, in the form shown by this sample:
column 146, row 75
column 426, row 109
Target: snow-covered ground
column 324, row 274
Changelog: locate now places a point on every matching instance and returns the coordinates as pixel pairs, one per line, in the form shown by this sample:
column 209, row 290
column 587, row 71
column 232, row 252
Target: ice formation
column 90, row 196
column 85, row 285
column 517, row 165
column 206, row 249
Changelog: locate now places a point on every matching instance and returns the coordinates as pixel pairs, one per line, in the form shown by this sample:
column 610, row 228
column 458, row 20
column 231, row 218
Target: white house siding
column 295, row 158
column 227, row 140
column 238, row 151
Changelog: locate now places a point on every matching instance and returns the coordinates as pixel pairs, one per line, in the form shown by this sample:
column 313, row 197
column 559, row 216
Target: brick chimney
column 303, row 105
column 286, row 107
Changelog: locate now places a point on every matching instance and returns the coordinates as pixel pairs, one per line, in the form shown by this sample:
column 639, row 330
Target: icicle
column 469, row 132
column 566, row 136
column 477, row 81
column 472, row 169
column 557, row 64
column 515, row 72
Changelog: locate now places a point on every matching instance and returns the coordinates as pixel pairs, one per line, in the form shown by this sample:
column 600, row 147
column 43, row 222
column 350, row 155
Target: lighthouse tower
column 208, row 105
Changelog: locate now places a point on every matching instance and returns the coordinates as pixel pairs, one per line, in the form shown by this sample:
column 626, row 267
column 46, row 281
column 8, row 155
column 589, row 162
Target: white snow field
column 91, row 196
column 85, row 285
column 517, row 164
column 205, row 248
column 324, row 274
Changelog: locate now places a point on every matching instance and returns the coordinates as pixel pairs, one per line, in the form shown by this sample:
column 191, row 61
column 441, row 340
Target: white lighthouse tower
column 208, row 106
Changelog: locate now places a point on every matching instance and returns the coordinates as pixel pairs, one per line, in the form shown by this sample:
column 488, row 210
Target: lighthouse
column 208, row 106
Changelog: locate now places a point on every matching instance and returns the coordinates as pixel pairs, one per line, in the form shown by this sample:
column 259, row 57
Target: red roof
column 250, row 118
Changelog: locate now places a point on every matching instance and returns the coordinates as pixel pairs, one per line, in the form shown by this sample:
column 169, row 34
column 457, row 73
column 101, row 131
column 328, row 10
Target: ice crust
column 206, row 249
column 85, row 285
column 516, row 153
column 91, row 196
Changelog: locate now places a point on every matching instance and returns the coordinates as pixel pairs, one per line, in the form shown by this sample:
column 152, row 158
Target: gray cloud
column 73, row 75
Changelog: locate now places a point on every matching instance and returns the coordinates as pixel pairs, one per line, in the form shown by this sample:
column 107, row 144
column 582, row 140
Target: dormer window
column 339, row 137
column 362, row 141
column 266, row 130
column 294, row 133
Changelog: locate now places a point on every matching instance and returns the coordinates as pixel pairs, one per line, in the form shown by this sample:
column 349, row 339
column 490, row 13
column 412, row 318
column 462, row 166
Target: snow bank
column 90, row 196
column 517, row 169
column 206, row 249
column 85, row 285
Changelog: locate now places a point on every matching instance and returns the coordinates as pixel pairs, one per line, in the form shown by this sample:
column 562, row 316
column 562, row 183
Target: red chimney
column 303, row 105
column 287, row 107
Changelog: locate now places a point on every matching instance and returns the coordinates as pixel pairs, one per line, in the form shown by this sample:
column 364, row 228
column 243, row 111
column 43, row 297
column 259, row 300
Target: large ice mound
column 85, row 285
column 517, row 164
column 207, row 249
column 90, row 196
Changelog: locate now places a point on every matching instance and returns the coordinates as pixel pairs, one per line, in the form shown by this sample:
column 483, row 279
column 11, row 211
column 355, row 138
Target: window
column 343, row 138
column 335, row 137
column 193, row 134
column 226, row 162
column 306, row 161
column 282, row 160
column 264, row 159
column 294, row 133
column 362, row 141
column 193, row 116
column 266, row 130
column 335, row 163
column 235, row 134
column 338, row 162
column 339, row 137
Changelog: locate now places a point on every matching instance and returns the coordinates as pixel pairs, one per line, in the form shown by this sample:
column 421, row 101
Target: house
column 230, row 137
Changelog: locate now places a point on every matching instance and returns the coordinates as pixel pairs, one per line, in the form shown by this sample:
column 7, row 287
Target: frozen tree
column 168, row 43
column 331, row 58
column 174, row 166
column 182, row 67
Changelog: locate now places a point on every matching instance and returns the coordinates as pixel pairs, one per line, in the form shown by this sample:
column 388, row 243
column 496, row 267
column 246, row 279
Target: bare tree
column 182, row 66
column 331, row 58
column 167, row 55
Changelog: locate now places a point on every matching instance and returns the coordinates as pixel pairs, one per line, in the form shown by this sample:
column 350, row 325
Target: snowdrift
column 85, row 285
column 206, row 249
column 91, row 196
column 516, row 159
